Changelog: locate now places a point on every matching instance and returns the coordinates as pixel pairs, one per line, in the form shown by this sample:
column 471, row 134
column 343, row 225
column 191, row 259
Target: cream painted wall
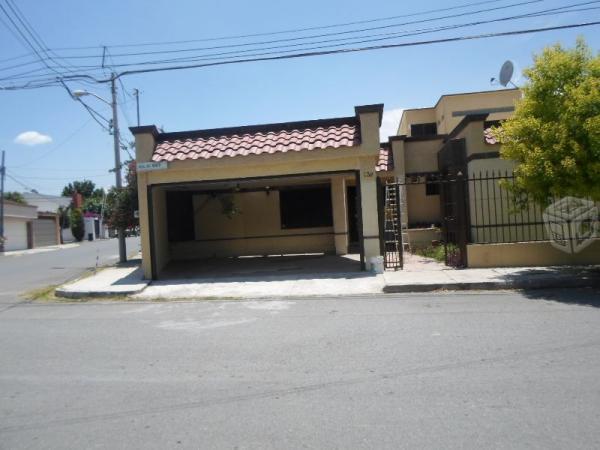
column 161, row 243
column 256, row 230
column 421, row 156
column 449, row 104
column 527, row 254
column 442, row 112
column 422, row 208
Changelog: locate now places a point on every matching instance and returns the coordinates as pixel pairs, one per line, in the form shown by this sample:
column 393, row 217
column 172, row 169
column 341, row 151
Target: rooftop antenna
column 506, row 73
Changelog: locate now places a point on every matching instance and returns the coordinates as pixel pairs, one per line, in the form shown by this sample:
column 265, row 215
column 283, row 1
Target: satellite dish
column 506, row 73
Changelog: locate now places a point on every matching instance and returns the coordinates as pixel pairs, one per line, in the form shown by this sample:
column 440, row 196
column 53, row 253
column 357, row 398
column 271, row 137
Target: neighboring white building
column 18, row 228
column 44, row 228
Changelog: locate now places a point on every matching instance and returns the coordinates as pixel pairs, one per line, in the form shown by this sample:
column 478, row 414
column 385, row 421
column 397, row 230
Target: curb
column 95, row 294
column 543, row 283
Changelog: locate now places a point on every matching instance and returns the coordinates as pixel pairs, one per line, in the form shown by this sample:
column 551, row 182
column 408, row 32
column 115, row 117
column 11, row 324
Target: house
column 18, row 230
column 451, row 175
column 324, row 186
column 47, row 229
column 282, row 188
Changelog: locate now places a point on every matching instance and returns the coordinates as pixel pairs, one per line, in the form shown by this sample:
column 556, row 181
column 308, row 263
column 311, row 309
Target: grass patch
column 437, row 252
column 42, row 294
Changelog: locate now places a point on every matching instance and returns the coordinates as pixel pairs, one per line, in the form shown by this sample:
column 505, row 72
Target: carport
column 266, row 225
column 294, row 196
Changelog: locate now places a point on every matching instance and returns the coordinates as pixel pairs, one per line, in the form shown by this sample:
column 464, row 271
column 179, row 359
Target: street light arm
column 99, row 98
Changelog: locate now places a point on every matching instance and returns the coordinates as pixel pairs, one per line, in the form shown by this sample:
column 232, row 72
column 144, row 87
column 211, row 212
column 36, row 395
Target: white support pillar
column 340, row 214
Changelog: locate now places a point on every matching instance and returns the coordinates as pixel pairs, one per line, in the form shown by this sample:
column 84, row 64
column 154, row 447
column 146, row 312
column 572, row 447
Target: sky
column 51, row 140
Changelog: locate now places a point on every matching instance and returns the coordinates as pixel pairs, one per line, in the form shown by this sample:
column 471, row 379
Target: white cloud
column 389, row 123
column 32, row 138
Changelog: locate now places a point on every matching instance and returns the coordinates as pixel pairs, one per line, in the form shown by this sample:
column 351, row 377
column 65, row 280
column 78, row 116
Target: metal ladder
column 404, row 218
column 391, row 233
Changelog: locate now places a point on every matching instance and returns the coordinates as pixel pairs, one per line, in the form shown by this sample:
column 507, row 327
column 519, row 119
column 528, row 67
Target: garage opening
column 282, row 225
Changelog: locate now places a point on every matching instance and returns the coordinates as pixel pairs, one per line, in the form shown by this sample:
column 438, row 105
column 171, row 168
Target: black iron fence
column 497, row 215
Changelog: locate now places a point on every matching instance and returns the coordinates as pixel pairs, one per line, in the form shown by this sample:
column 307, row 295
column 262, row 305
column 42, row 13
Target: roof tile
column 257, row 143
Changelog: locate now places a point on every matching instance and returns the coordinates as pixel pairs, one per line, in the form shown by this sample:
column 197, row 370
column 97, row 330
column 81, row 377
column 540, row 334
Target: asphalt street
column 30, row 271
column 455, row 370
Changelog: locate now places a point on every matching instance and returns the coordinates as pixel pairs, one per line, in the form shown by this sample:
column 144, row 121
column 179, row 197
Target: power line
column 371, row 38
column 377, row 37
column 290, row 31
column 361, row 49
column 316, row 36
column 47, row 82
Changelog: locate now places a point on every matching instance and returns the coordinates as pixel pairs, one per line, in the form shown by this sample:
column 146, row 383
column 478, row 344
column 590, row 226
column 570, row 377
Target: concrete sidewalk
column 33, row 251
column 119, row 281
column 490, row 279
column 108, row 282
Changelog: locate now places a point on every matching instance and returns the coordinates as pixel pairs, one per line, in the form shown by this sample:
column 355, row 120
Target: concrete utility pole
column 117, row 145
column 136, row 92
column 2, row 173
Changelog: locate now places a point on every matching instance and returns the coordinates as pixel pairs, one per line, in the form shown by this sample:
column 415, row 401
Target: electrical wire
column 49, row 82
column 384, row 36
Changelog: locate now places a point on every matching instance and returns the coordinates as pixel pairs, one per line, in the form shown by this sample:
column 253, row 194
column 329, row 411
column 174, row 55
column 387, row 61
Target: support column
column 370, row 218
column 340, row 214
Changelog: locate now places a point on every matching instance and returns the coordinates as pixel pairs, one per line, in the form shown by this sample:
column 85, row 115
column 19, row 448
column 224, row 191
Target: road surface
column 30, row 271
column 458, row 370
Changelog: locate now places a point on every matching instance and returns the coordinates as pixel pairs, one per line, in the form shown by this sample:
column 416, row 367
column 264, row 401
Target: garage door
column 16, row 234
column 44, row 232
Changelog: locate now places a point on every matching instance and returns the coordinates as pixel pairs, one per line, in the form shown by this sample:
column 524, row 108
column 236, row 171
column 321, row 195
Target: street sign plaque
column 151, row 166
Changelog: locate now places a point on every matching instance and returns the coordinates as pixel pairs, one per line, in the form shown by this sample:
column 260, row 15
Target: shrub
column 77, row 225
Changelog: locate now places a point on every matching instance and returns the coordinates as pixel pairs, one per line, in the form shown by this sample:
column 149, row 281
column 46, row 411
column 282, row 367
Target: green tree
column 121, row 204
column 77, row 225
column 16, row 197
column 85, row 188
column 554, row 134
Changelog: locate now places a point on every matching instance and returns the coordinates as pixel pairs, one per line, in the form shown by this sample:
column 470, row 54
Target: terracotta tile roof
column 259, row 139
column 385, row 162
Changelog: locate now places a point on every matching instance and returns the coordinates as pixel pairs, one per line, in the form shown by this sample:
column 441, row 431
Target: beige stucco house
column 284, row 188
column 450, row 168
column 319, row 186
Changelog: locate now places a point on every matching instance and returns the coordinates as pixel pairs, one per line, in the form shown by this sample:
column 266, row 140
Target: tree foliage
column 85, row 187
column 77, row 225
column 16, row 197
column 121, row 204
column 554, row 134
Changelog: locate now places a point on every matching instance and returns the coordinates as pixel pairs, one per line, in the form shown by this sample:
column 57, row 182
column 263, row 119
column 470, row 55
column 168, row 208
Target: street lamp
column 77, row 94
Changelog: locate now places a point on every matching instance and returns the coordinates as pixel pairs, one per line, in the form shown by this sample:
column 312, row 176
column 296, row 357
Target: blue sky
column 259, row 92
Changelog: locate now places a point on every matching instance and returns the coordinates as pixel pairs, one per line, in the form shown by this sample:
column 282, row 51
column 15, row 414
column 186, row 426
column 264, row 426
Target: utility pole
column 2, row 173
column 117, row 145
column 136, row 92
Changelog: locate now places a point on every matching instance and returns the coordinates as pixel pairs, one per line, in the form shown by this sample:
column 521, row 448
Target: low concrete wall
column 249, row 246
column 422, row 237
column 523, row 254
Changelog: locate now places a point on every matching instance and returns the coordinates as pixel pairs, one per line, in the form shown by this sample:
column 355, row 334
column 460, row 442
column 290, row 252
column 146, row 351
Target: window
column 305, row 207
column 432, row 188
column 423, row 129
column 491, row 123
